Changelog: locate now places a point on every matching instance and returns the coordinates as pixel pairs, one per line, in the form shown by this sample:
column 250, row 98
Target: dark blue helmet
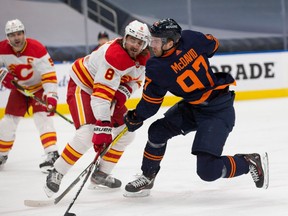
column 166, row 28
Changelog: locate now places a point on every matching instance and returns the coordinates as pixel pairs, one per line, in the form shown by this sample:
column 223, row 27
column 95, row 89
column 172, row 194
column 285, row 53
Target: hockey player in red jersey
column 27, row 61
column 181, row 66
column 109, row 74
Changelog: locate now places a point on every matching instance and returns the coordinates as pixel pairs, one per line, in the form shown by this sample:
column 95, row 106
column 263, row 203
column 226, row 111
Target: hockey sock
column 152, row 158
column 235, row 166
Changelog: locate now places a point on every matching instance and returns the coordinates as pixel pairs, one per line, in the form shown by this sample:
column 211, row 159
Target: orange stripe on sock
column 5, row 146
column 153, row 157
column 70, row 155
column 112, row 155
column 233, row 166
column 48, row 139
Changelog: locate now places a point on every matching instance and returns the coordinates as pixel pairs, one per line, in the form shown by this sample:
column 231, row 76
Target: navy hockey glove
column 131, row 121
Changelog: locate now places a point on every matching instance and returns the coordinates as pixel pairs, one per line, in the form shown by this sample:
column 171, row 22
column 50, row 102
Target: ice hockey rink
column 261, row 125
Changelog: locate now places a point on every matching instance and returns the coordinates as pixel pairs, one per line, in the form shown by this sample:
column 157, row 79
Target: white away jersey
column 102, row 72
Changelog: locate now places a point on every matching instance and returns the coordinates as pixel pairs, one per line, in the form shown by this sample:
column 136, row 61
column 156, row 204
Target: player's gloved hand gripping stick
column 30, row 94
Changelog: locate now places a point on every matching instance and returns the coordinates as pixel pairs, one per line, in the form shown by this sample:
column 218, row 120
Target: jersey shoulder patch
column 5, row 48
column 142, row 59
column 117, row 57
column 153, row 67
column 34, row 48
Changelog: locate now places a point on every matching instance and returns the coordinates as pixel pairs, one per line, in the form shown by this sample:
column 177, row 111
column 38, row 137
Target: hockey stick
column 30, row 94
column 91, row 166
column 42, row 203
column 67, row 213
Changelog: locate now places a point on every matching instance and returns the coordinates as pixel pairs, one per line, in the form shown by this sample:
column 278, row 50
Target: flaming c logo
column 21, row 71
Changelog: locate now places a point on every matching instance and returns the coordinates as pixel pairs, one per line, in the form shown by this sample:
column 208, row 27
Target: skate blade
column 46, row 169
column 93, row 186
column 265, row 163
column 142, row 193
column 49, row 193
column 99, row 187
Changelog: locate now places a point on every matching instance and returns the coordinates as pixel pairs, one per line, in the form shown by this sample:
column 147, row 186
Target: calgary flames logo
column 21, row 71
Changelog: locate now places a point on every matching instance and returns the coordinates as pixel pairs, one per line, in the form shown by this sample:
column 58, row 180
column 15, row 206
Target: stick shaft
column 115, row 140
column 84, row 181
column 92, row 165
column 30, row 94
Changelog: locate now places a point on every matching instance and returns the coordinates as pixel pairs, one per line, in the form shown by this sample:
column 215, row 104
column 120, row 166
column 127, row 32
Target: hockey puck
column 69, row 214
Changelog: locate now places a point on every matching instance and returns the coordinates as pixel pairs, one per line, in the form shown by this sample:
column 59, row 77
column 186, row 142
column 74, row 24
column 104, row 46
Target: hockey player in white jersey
column 27, row 61
column 111, row 73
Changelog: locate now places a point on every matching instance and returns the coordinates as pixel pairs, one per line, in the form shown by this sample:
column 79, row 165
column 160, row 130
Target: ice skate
column 100, row 180
column 47, row 165
column 139, row 187
column 53, row 182
column 3, row 159
column 259, row 168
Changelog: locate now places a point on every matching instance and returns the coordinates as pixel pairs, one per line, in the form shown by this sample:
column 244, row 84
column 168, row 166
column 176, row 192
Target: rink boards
column 258, row 75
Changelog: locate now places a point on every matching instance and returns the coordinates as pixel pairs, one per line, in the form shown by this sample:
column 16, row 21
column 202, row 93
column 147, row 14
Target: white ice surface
column 261, row 125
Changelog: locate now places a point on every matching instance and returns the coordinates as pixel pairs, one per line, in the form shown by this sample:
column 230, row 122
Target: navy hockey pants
column 212, row 123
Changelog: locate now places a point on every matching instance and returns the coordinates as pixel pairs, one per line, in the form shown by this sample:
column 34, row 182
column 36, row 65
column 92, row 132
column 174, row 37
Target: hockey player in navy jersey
column 181, row 66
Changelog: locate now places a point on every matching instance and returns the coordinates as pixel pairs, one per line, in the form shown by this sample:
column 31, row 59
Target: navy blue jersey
column 185, row 73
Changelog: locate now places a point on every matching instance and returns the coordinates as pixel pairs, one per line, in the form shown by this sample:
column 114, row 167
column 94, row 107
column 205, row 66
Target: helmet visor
column 155, row 42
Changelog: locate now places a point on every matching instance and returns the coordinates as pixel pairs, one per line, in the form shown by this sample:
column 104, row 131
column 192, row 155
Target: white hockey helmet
column 138, row 30
column 14, row 26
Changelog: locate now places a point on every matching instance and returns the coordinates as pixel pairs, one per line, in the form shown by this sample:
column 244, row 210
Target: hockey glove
column 51, row 100
column 122, row 95
column 6, row 79
column 102, row 137
column 131, row 121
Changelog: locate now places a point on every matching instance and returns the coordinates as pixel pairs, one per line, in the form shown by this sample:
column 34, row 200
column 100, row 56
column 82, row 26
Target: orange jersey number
column 197, row 84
